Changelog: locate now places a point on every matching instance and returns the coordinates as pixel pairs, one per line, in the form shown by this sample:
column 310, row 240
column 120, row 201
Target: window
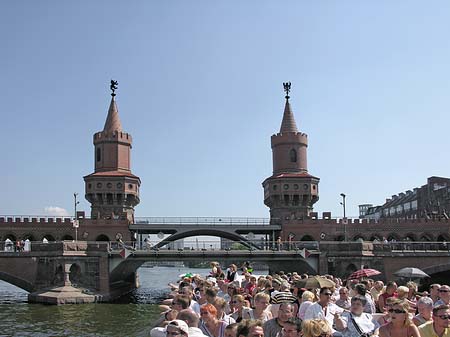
column 293, row 156
column 99, row 154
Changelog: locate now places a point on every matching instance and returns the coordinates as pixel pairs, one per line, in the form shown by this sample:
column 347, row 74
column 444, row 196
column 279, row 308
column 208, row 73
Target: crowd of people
column 236, row 303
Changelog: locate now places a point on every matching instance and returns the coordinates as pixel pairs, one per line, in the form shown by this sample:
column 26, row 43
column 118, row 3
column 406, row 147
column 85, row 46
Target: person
column 391, row 288
column 210, row 324
column 177, row 328
column 249, row 328
column 375, row 292
column 238, row 307
column 221, row 304
column 232, row 274
column 440, row 325
column 425, row 308
column 307, row 300
column 231, row 330
column 292, row 328
column 273, row 326
column 262, row 301
column 317, row 327
column 187, row 291
column 400, row 324
column 323, row 308
column 192, row 320
column 434, row 292
column 444, row 296
column 343, row 301
column 369, row 307
column 355, row 322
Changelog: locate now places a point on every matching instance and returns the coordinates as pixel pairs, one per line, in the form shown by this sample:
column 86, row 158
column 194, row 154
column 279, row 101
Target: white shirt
column 316, row 311
column 365, row 322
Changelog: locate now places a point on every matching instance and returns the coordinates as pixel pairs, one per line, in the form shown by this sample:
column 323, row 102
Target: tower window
column 293, row 156
column 99, row 154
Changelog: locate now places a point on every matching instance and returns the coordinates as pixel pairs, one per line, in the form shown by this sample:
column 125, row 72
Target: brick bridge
column 98, row 269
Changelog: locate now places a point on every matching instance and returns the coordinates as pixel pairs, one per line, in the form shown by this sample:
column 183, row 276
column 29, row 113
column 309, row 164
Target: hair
column 233, row 327
column 184, row 301
column 323, row 289
column 440, row 307
column 220, row 302
column 239, row 298
column 308, row 296
column 390, row 284
column 260, row 296
column 189, row 316
column 210, row 292
column 209, row 308
column 402, row 290
column 246, row 325
column 361, row 289
column 405, row 306
column 315, row 327
column 295, row 321
column 425, row 300
column 360, row 298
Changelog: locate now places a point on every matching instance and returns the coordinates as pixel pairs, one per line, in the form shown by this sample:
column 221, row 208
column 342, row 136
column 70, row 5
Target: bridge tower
column 112, row 189
column 291, row 191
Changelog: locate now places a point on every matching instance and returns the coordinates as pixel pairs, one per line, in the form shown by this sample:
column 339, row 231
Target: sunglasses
column 444, row 317
column 235, row 302
column 397, row 311
column 443, row 290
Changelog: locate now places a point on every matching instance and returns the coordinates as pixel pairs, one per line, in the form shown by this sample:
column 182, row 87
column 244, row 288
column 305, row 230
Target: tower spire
column 288, row 124
column 113, row 121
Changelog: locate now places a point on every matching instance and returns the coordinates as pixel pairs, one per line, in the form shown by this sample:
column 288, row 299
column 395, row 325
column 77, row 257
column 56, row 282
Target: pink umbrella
column 364, row 273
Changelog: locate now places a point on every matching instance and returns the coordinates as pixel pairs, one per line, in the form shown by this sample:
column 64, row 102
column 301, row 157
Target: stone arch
column 49, row 237
column 102, row 237
column 18, row 282
column 67, row 237
column 426, row 237
column 75, row 274
column 339, row 238
column 442, row 237
column 29, row 237
column 410, row 237
column 376, row 237
column 393, row 236
column 358, row 237
column 10, row 236
column 58, row 279
column 307, row 238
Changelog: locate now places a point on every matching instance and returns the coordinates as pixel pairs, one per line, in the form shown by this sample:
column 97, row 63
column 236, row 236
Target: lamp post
column 344, row 220
column 75, row 220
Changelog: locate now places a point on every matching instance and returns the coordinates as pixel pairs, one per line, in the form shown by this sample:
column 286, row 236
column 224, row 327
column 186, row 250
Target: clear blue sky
column 200, row 90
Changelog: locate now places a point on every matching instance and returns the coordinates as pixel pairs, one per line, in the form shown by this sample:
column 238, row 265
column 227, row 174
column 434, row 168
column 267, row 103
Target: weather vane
column 287, row 88
column 113, row 87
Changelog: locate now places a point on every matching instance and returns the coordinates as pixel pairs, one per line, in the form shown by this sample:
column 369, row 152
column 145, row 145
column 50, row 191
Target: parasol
column 364, row 273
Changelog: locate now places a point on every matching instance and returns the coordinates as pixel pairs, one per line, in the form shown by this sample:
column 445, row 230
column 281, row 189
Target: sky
column 200, row 90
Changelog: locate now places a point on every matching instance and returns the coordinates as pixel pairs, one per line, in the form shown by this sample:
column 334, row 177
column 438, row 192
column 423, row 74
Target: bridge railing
column 226, row 221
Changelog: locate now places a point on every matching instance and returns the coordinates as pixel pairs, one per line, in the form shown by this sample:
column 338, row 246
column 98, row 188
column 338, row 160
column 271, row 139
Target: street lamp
column 76, row 224
column 344, row 220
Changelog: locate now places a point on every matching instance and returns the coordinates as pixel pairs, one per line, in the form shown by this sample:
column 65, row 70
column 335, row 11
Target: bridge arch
column 49, row 237
column 442, row 237
column 307, row 238
column 411, row 237
column 426, row 237
column 16, row 281
column 29, row 237
column 393, row 236
column 358, row 237
column 10, row 236
column 67, row 237
column 209, row 232
column 102, row 237
column 75, row 273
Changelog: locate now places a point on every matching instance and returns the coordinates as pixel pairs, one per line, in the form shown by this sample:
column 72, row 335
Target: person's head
column 402, row 292
column 276, row 283
column 220, row 304
column 210, row 294
column 391, row 287
column 378, row 285
column 434, row 289
column 208, row 313
column 357, row 304
column 190, row 317
column 343, row 293
column 441, row 316
column 308, row 296
column 186, row 291
column 231, row 330
column 252, row 279
column 232, row 290
column 400, row 312
column 325, row 295
column 444, row 293
column 292, row 327
column 177, row 328
column 412, row 286
column 180, row 302
column 238, row 301
column 250, row 328
column 285, row 311
column 316, row 328
column 360, row 289
column 425, row 307
column 262, row 301
column 285, row 286
column 232, row 267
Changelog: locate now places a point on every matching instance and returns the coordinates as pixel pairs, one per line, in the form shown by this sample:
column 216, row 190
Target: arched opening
column 426, row 238
column 99, row 154
column 75, row 274
column 410, row 237
column 29, row 237
column 102, row 237
column 359, row 238
column 293, row 156
column 442, row 238
column 12, row 237
column 307, row 238
column 393, row 237
column 350, row 269
column 49, row 237
column 339, row 238
column 375, row 238
column 67, row 237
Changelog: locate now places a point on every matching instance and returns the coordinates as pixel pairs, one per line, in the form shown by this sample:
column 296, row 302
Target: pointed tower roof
column 288, row 124
column 112, row 121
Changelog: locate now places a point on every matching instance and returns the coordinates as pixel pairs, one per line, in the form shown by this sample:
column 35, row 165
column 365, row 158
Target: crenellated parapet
column 116, row 136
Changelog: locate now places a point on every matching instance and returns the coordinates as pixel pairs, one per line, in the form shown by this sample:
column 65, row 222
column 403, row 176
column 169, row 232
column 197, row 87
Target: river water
column 131, row 316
